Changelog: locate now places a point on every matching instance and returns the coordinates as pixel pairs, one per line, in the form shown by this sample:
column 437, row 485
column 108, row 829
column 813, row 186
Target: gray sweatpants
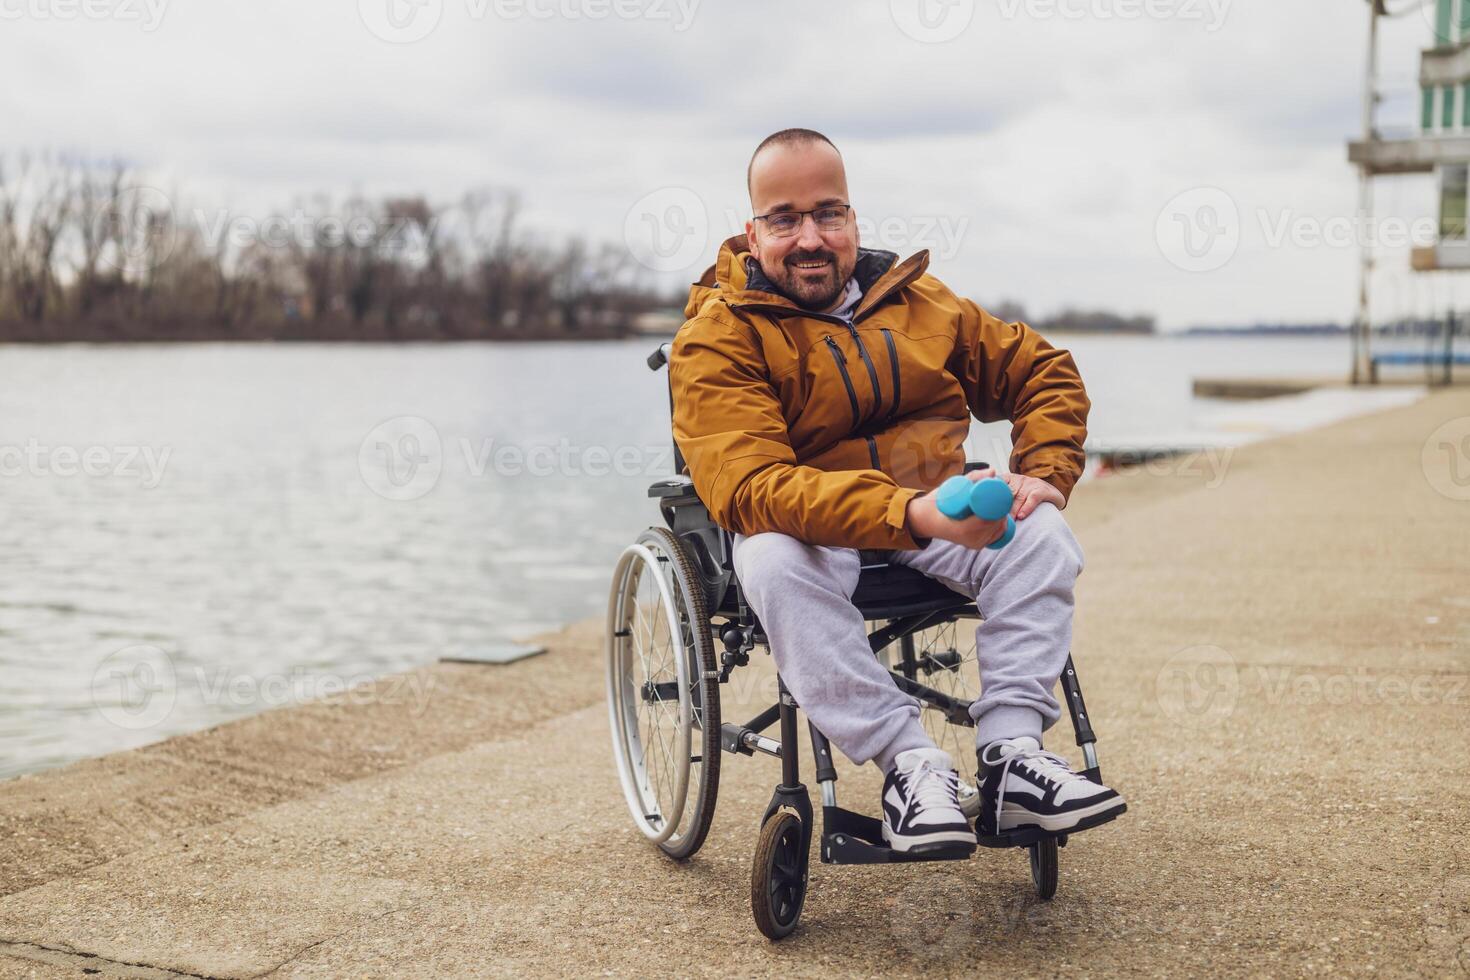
column 803, row 596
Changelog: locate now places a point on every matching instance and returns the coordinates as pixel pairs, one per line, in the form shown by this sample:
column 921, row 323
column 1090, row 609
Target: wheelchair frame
column 908, row 603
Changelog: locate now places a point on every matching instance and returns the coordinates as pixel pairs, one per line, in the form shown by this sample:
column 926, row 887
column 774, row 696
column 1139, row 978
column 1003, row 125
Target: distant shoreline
column 1269, row 334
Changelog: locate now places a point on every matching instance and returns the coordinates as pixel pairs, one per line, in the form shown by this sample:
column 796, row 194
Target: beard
column 807, row 290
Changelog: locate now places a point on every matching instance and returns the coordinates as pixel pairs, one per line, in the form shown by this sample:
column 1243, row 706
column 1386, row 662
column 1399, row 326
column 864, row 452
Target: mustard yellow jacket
column 824, row 428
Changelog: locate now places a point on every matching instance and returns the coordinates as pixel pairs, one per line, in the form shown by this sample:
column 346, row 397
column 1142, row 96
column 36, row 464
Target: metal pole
column 1361, row 327
column 1449, row 344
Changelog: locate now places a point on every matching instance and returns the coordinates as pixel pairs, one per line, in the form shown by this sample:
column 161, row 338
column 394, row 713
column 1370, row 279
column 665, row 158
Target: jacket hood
column 736, row 277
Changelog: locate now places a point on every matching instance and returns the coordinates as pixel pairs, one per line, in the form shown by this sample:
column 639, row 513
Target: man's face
column 812, row 266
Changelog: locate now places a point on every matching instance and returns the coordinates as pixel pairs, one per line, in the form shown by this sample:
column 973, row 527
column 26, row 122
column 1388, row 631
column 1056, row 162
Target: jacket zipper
column 841, row 360
column 872, row 371
column 850, row 324
column 893, row 360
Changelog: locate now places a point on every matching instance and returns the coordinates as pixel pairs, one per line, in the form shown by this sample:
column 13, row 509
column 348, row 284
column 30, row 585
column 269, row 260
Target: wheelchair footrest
column 1020, row 837
column 852, row 838
column 1026, row 836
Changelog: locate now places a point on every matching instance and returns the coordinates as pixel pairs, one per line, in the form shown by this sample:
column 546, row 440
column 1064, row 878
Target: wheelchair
column 678, row 626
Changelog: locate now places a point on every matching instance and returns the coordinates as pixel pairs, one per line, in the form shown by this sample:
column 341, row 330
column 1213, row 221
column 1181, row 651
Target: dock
column 1248, row 388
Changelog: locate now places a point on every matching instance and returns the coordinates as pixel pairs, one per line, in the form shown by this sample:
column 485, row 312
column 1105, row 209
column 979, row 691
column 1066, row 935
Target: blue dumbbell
column 989, row 499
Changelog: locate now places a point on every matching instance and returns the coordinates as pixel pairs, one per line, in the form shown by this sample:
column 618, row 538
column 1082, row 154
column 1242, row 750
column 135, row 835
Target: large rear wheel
column 663, row 693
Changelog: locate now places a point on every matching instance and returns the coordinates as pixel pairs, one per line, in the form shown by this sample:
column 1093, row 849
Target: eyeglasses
column 828, row 217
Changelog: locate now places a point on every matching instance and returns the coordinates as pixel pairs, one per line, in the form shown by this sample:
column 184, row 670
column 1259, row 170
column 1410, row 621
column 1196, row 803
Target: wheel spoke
column 950, row 654
column 666, row 759
column 662, row 728
column 783, row 898
column 657, row 765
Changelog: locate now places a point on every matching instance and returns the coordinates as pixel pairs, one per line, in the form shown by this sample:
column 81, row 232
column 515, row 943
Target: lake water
column 193, row 533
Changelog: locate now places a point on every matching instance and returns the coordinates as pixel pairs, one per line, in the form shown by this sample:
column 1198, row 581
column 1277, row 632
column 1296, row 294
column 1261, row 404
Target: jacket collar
column 742, row 284
column 871, row 264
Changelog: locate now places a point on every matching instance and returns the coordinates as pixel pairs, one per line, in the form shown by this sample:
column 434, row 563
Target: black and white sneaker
column 1023, row 786
column 920, row 803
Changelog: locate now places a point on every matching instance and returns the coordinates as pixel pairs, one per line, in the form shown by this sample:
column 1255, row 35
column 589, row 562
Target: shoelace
column 931, row 788
column 1049, row 765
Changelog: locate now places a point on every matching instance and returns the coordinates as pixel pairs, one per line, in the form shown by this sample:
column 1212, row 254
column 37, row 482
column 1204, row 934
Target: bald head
column 785, row 144
column 802, row 231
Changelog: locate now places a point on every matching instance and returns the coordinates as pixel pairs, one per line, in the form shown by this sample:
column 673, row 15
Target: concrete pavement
column 1277, row 665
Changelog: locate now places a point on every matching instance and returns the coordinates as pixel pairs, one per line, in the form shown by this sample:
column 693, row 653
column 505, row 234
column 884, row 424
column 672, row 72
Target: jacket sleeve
column 1009, row 371
column 729, row 426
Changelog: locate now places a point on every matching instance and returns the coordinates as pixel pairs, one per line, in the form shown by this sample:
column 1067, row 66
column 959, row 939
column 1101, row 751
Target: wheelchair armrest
column 674, row 486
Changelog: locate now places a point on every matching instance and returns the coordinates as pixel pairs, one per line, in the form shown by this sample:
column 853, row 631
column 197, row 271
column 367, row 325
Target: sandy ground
column 1275, row 655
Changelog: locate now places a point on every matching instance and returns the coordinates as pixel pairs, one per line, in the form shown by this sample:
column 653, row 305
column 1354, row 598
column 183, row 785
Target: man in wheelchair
column 820, row 389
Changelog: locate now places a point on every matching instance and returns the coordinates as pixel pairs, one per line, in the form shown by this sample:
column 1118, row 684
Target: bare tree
column 89, row 251
column 9, row 240
column 491, row 223
column 95, row 218
column 38, row 206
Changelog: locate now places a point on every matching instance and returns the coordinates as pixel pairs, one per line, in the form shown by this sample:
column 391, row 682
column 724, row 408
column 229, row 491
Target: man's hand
column 925, row 521
column 1031, row 493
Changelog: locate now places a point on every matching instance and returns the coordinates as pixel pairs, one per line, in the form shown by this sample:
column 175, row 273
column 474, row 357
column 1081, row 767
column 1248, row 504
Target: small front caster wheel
column 778, row 877
column 1044, row 867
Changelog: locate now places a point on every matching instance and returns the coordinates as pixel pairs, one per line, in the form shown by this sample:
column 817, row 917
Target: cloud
column 1054, row 141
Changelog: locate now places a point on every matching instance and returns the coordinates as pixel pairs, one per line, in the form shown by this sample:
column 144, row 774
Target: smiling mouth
column 811, row 265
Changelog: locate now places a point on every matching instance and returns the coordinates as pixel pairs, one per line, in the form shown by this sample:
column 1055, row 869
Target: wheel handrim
column 696, row 764
column 651, row 732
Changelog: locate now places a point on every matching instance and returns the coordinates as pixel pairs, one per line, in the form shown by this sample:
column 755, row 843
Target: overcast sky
column 1051, row 151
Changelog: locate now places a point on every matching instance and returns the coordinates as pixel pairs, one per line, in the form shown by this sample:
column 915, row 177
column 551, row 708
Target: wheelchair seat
column 888, row 591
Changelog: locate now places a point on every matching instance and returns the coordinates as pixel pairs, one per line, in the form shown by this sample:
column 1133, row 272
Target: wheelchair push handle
column 659, row 357
column 989, row 499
